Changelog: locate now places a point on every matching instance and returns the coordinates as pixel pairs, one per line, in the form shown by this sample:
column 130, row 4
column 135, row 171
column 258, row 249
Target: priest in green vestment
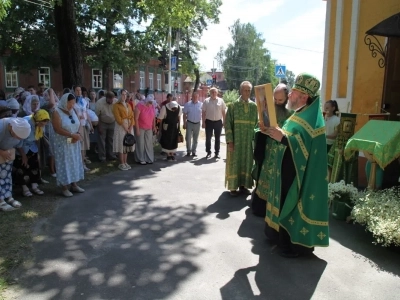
column 297, row 204
column 265, row 152
column 241, row 118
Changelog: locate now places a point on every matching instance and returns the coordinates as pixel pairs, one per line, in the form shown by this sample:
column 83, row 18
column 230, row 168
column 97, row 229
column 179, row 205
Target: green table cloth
column 381, row 139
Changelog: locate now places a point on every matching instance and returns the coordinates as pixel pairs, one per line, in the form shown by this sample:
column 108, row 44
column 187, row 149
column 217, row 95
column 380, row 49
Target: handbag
column 180, row 137
column 129, row 140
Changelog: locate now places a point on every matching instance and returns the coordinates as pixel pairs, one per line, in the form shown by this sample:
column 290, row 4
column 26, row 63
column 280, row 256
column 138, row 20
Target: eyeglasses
column 72, row 120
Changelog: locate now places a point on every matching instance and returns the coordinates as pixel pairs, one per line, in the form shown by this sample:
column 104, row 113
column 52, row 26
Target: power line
column 39, row 4
column 303, row 49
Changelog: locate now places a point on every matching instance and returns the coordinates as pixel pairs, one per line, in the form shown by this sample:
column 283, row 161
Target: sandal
column 87, row 161
column 5, row 207
column 27, row 193
column 37, row 191
column 14, row 203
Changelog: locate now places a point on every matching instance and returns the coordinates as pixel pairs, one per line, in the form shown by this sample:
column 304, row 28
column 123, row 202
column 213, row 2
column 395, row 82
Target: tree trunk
column 106, row 65
column 197, row 80
column 68, row 44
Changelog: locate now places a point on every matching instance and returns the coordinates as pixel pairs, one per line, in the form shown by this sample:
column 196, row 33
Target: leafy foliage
column 231, row 96
column 247, row 58
column 27, row 37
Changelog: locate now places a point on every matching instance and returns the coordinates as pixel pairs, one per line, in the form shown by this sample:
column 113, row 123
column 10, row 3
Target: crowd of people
column 39, row 127
column 284, row 168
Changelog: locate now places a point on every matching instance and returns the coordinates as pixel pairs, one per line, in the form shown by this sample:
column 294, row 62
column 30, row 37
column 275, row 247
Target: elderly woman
column 31, row 105
column 124, row 124
column 169, row 116
column 12, row 131
column 27, row 160
column 50, row 101
column 145, row 126
column 67, row 146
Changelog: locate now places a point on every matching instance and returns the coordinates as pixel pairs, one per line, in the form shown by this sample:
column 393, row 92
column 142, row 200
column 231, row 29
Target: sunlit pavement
column 170, row 231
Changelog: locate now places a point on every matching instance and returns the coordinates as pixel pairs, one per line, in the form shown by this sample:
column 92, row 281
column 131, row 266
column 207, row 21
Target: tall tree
column 69, row 45
column 28, row 37
column 290, row 77
column 4, row 4
column 191, row 35
column 247, row 58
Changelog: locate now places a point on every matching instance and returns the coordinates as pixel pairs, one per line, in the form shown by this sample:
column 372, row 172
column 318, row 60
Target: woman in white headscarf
column 50, row 101
column 12, row 131
column 67, row 146
column 31, row 105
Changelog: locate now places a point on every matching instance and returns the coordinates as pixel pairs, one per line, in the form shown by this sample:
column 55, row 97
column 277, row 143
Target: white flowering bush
column 379, row 211
column 341, row 191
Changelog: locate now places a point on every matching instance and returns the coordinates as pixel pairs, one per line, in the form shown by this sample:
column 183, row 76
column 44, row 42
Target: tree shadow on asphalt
column 360, row 241
column 127, row 247
column 227, row 204
column 274, row 277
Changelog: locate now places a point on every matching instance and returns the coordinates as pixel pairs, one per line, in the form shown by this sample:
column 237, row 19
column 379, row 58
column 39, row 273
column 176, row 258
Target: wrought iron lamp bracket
column 376, row 48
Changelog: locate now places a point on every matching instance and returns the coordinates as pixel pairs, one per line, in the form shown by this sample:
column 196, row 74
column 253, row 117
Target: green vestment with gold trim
column 241, row 118
column 304, row 214
column 270, row 160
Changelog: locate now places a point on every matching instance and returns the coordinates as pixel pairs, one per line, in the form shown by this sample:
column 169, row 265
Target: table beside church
column 380, row 143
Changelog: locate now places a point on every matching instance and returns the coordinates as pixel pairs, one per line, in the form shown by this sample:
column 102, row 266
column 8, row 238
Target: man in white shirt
column 213, row 120
column 192, row 113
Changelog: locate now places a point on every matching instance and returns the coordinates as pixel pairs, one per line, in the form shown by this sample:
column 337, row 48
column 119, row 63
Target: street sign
column 209, row 82
column 173, row 63
column 280, row 71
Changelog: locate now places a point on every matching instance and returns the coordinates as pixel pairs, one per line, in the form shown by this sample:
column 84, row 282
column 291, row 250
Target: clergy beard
column 281, row 111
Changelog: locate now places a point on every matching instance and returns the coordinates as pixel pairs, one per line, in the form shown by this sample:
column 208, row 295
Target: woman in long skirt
column 124, row 122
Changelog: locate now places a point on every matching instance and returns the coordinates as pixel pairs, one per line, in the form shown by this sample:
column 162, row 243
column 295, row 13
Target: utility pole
column 170, row 57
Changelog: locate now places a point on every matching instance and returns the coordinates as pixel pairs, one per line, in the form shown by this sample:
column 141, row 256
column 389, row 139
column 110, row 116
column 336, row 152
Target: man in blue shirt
column 191, row 122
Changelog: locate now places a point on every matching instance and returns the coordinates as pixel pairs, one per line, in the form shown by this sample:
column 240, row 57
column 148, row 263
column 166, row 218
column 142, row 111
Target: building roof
column 389, row 27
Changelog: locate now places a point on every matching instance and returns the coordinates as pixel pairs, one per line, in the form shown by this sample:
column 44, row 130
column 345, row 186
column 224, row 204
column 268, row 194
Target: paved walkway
column 170, row 231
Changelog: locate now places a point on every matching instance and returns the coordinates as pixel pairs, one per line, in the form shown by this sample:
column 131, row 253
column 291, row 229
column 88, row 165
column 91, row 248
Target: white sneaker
column 128, row 167
column 77, row 189
column 122, row 167
column 67, row 193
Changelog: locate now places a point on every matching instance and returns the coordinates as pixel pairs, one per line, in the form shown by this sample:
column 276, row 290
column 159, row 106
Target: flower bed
column 379, row 211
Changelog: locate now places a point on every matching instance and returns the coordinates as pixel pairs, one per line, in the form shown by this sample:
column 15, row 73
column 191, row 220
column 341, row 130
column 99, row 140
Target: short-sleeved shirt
column 330, row 124
column 146, row 116
column 7, row 141
column 105, row 111
column 214, row 108
column 193, row 111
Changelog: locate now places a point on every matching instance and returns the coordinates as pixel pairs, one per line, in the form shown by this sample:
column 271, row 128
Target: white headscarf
column 46, row 96
column 64, row 100
column 20, row 127
column 13, row 103
column 27, row 107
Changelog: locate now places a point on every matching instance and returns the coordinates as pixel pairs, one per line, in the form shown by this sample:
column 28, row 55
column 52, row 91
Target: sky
column 293, row 31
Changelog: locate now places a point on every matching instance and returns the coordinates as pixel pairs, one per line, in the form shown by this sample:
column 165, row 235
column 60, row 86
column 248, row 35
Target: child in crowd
column 331, row 122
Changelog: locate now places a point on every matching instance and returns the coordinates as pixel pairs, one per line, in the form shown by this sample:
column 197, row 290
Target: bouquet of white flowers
column 342, row 192
column 380, row 212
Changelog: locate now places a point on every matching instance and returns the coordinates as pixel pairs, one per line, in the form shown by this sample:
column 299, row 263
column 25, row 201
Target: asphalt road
column 170, row 231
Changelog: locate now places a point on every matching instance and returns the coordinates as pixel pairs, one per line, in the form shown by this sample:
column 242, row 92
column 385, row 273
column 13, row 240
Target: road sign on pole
column 173, row 63
column 280, row 71
column 209, row 82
